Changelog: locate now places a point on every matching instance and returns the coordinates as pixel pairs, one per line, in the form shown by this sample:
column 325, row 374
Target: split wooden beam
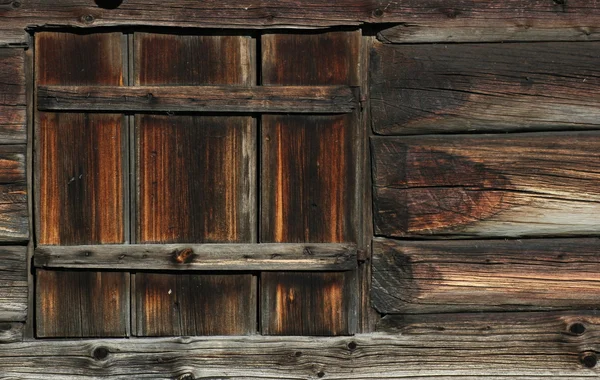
column 264, row 99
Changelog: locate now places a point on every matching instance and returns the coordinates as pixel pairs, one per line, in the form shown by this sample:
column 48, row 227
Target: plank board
column 186, row 304
column 82, row 304
column 422, row 20
column 196, row 179
column 485, row 275
column 13, row 286
column 14, row 223
column 11, row 332
column 546, row 353
column 295, row 303
column 12, row 96
column 295, row 99
column 222, row 257
column 539, row 184
column 421, row 89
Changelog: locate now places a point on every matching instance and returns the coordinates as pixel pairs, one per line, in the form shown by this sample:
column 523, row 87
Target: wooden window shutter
column 197, row 183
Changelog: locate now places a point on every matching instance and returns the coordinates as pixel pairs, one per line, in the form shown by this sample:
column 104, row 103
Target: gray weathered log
column 13, row 284
column 11, row 332
column 421, row 89
column 422, row 20
column 485, row 275
column 302, row 257
column 526, row 184
column 475, row 354
column 295, row 99
column 12, row 95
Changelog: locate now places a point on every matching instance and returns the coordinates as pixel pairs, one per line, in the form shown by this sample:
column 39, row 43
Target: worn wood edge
column 299, row 257
column 376, row 356
column 295, row 99
column 11, row 332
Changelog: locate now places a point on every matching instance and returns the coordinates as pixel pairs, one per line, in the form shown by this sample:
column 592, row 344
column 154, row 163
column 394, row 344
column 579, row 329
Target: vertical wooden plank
column 81, row 304
column 295, row 303
column 188, row 304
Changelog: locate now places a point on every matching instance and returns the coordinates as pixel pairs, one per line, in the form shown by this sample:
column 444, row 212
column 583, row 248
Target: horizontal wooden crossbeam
column 264, row 257
column 288, row 99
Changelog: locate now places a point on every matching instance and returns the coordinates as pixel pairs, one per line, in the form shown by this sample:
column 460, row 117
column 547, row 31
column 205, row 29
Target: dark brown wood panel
column 295, row 303
column 307, row 179
column 82, row 304
column 485, row 275
column 170, row 59
column 186, row 304
column 13, row 284
column 80, row 178
column 537, row 184
column 213, row 257
column 196, row 180
column 420, row 89
column 13, row 102
column 295, row 99
column 421, row 20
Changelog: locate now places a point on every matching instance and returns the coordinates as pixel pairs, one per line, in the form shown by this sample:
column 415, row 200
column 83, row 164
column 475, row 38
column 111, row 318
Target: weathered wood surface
column 538, row 184
column 186, row 304
column 476, row 354
column 422, row 21
column 13, row 285
column 307, row 303
column 296, row 99
column 485, row 275
column 14, row 225
column 308, row 162
column 420, row 89
column 82, row 304
column 12, row 96
column 11, row 332
column 301, row 257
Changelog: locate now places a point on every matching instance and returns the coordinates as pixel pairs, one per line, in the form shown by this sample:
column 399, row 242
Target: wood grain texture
column 300, row 257
column 82, row 304
column 80, row 179
column 421, row 89
column 294, row 99
column 295, row 303
column 485, row 275
column 477, row 354
column 186, row 304
column 14, row 225
column 196, row 179
column 11, row 332
column 422, row 21
column 13, row 285
column 538, row 184
column 12, row 96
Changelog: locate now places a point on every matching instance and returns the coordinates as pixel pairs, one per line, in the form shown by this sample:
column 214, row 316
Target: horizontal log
column 14, row 225
column 424, row 356
column 12, row 96
column 13, row 285
column 277, row 257
column 422, row 20
column 298, row 99
column 492, row 275
column 421, row 89
column 538, row 184
column 11, row 332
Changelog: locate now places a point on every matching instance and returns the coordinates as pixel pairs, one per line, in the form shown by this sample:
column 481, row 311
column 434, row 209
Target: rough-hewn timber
column 295, row 99
column 476, row 354
column 13, row 285
column 12, row 96
column 485, row 275
column 421, row 20
column 297, row 257
column 11, row 332
column 14, row 225
column 537, row 184
column 434, row 88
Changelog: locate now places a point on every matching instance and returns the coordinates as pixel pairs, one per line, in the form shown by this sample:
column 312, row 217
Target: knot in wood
column 100, row 353
column 378, row 13
column 186, row 376
column 577, row 328
column 589, row 359
column 184, row 256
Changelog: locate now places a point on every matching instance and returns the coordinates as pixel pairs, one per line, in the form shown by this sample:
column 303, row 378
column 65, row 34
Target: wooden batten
column 298, row 257
column 485, row 275
column 510, row 185
column 460, row 88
